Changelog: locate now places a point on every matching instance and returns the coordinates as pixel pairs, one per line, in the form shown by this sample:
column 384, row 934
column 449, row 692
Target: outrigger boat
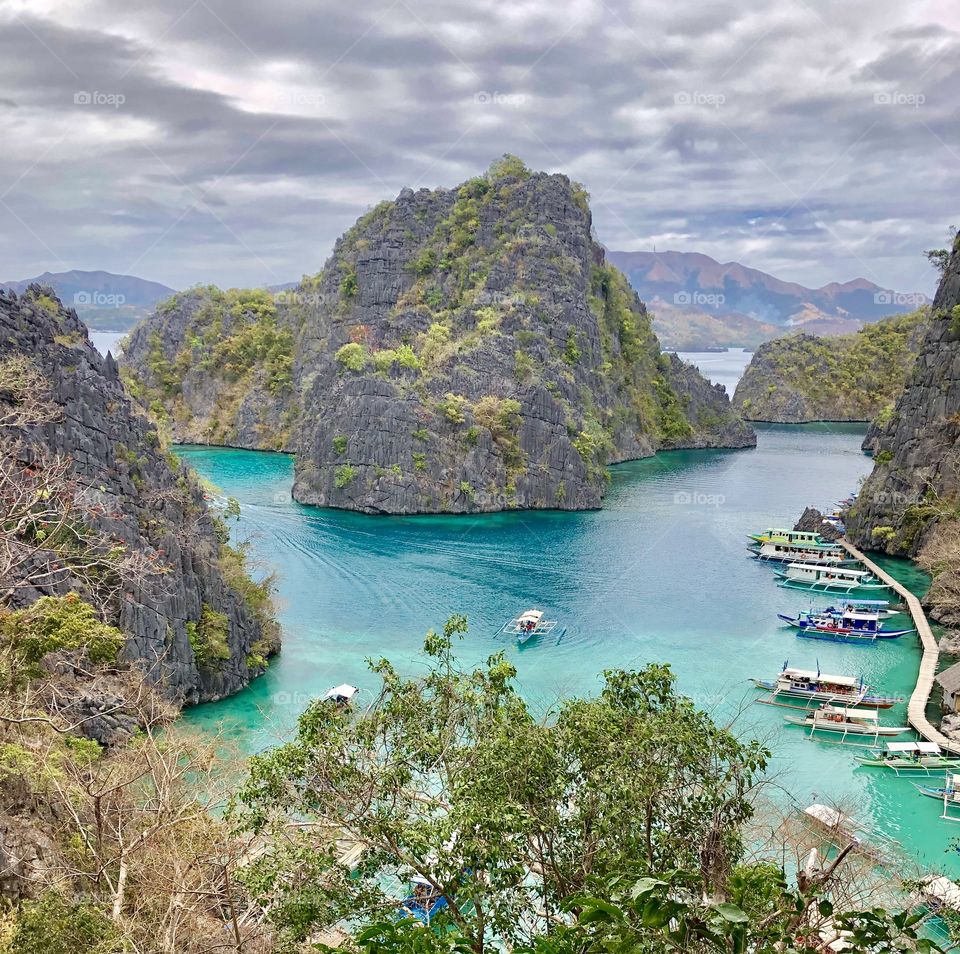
column 843, row 830
column 902, row 757
column 880, row 607
column 780, row 535
column 424, row 901
column 848, row 626
column 949, row 794
column 814, row 554
column 528, row 624
column 826, row 579
column 844, row 721
column 820, row 687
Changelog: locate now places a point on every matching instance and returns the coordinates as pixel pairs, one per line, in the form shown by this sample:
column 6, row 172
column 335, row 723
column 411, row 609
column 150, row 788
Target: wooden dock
column 917, row 707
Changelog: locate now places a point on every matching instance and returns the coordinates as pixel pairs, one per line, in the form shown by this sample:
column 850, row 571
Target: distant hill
column 746, row 302
column 102, row 299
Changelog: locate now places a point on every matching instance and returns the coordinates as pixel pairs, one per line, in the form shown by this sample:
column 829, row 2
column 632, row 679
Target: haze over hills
column 700, row 302
column 102, row 299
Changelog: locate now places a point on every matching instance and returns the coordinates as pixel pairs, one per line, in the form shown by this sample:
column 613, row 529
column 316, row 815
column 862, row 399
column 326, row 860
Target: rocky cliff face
column 215, row 367
column 910, row 504
column 856, row 377
column 146, row 502
column 470, row 350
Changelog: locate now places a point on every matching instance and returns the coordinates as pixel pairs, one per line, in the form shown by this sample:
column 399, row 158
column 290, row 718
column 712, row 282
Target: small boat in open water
column 528, row 624
column 843, row 721
column 847, row 626
column 827, row 579
column 910, row 757
column 820, row 687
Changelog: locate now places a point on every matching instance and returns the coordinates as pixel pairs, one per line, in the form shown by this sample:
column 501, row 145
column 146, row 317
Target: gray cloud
column 232, row 141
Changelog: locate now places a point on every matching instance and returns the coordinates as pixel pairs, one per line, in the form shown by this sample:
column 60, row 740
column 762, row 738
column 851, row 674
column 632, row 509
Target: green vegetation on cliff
column 211, row 362
column 845, row 378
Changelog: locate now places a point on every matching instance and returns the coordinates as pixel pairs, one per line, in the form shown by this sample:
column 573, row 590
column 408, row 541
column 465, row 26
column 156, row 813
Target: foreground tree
column 450, row 778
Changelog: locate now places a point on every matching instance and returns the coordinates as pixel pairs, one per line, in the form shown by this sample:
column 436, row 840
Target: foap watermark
column 699, row 98
column 294, row 296
column 302, row 98
column 908, row 299
column 898, row 97
column 702, row 299
column 83, row 97
column 496, row 98
column 98, row 299
column 897, row 499
column 696, row 498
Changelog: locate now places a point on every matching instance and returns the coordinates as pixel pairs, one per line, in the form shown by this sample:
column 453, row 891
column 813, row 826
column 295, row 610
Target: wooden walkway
column 917, row 708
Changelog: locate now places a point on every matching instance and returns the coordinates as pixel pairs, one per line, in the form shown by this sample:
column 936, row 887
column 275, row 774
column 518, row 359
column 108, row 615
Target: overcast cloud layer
column 232, row 141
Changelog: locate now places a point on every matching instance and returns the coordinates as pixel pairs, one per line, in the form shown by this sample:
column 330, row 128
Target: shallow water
column 660, row 574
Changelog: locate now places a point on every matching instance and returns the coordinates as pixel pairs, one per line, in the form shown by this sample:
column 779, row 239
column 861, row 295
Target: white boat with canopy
column 528, row 624
column 807, row 577
column 839, row 720
column 910, row 758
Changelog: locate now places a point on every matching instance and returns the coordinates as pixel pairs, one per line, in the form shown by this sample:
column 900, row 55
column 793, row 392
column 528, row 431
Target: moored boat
column 847, row 626
column 948, row 794
column 881, row 607
column 909, row 757
column 827, row 579
column 816, row 554
column 820, row 687
column 845, row 721
column 782, row 535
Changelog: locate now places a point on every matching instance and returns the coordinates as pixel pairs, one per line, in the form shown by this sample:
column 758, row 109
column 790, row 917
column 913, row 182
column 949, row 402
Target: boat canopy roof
column 532, row 615
column 341, row 692
column 826, row 815
column 928, row 748
column 868, row 714
column 903, row 746
column 942, row 889
column 880, row 604
column 866, row 617
column 833, row 571
column 822, row 677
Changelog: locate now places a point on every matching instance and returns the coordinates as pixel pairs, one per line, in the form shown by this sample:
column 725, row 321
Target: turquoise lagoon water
column 660, row 574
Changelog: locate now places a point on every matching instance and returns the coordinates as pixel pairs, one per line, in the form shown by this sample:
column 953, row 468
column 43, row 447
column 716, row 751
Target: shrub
column 426, row 262
column 452, row 407
column 54, row 924
column 421, row 434
column 208, row 637
column 571, row 351
column 348, row 285
column 523, row 366
column 419, row 461
column 55, row 623
column 340, row 444
column 352, row 357
column 343, row 475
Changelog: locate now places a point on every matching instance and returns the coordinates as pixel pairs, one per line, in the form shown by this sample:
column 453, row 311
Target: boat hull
column 839, row 634
column 841, row 728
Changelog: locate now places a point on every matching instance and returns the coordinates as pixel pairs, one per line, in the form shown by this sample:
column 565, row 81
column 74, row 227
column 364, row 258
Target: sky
column 232, row 141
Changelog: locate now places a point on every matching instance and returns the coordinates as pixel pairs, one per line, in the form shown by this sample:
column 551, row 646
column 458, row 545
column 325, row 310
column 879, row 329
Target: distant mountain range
column 102, row 299
column 696, row 301
column 700, row 302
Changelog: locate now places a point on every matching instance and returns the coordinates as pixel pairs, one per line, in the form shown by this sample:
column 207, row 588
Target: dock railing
column 917, row 707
